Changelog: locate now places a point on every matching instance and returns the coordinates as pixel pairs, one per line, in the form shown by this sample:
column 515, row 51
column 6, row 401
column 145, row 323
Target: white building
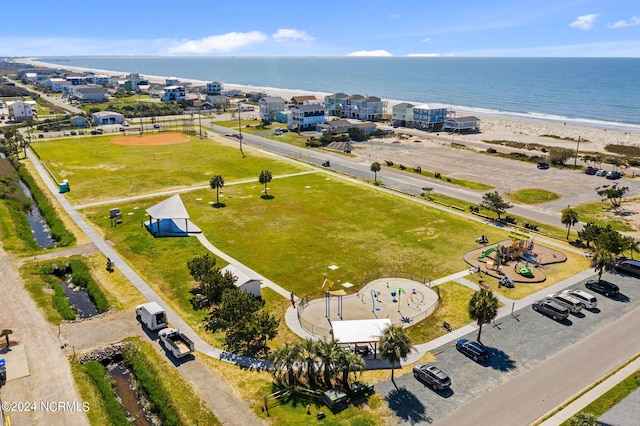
column 107, row 117
column 214, row 88
column 20, row 110
column 88, row 93
column 270, row 106
column 174, row 93
column 402, row 114
column 245, row 278
column 305, row 117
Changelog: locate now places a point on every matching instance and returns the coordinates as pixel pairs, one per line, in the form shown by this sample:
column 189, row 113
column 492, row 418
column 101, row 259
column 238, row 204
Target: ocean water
column 600, row 91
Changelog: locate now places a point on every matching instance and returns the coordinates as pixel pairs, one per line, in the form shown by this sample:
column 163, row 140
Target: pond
column 135, row 408
column 79, row 299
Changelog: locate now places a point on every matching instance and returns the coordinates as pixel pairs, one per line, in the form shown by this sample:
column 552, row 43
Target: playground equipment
column 505, row 282
column 526, row 272
column 487, row 252
column 482, row 240
column 416, row 297
column 399, row 291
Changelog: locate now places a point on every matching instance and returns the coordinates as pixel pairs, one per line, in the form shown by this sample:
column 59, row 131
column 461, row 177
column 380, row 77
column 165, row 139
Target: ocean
column 590, row 91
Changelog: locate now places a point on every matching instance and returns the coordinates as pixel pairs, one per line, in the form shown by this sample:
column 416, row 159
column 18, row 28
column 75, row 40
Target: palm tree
column 630, row 244
column 603, row 260
column 216, row 183
column 583, row 419
column 483, row 307
column 328, row 352
column 348, row 363
column 569, row 218
column 265, row 178
column 309, row 357
column 284, row 360
column 395, row 345
column 375, row 168
column 5, row 333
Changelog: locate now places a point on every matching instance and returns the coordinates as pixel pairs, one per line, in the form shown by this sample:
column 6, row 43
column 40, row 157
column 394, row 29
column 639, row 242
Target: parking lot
column 516, row 345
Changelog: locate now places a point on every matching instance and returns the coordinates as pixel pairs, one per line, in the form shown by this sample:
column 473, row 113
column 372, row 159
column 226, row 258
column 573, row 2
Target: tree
column 629, row 243
column 285, row 360
column 603, row 260
column 328, row 352
column 494, row 202
column 211, row 282
column 235, row 307
column 265, row 178
column 250, row 335
column 590, row 233
column 613, row 193
column 395, row 345
column 569, row 218
column 309, row 357
column 5, row 333
column 216, row 183
column 583, row 419
column 483, row 308
column 559, row 156
column 348, row 363
column 610, row 240
column 375, row 168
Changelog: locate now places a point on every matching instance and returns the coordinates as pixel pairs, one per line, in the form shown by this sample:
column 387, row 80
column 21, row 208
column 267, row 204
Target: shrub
column 60, row 302
column 80, row 276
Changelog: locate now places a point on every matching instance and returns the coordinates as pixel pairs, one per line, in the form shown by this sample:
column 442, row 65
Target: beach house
column 214, row 88
column 174, row 93
column 88, row 93
column 335, row 104
column 429, row 116
column 358, row 107
column 270, row 106
column 218, row 101
column 20, row 110
column 55, row 84
column 305, row 117
column 304, row 100
column 402, row 114
column 462, row 124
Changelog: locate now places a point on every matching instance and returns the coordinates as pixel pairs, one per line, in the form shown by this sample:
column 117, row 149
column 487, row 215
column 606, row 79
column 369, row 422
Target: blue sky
column 516, row 28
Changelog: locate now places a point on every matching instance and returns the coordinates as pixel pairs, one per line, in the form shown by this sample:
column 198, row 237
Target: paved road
column 536, row 365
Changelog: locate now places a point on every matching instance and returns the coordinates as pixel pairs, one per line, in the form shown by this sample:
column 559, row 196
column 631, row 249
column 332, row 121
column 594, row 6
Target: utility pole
column 575, row 160
column 240, row 130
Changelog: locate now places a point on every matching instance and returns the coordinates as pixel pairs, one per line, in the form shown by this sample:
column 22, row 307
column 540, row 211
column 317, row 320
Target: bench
column 447, row 326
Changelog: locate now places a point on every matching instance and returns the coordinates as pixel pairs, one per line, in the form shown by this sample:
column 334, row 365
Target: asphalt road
column 537, row 363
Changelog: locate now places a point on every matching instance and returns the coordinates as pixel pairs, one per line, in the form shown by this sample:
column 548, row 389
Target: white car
column 589, row 300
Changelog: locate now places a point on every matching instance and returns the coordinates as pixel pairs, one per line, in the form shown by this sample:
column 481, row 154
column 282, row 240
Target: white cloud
column 380, row 52
column 621, row 24
column 423, row 55
column 585, row 22
column 218, row 43
column 426, row 39
column 284, row 35
column 394, row 16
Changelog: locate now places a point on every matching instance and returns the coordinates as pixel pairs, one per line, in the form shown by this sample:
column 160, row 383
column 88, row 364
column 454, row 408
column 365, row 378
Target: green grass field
column 98, row 169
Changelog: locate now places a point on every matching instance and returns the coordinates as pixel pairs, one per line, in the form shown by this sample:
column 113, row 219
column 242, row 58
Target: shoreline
column 524, row 127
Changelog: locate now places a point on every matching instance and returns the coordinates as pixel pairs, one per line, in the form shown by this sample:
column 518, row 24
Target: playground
column 516, row 260
column 401, row 300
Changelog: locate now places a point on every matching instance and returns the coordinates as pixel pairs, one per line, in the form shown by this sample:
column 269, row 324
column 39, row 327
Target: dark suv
column 432, row 376
column 603, row 287
column 590, row 170
column 474, row 350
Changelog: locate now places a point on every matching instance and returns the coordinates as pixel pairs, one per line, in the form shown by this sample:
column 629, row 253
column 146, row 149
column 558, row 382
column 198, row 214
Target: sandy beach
column 498, row 126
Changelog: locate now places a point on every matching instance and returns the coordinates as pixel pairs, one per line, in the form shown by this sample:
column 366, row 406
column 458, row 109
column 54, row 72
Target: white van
column 151, row 315
column 589, row 300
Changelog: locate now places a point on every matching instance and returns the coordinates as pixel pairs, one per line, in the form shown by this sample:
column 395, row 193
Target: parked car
column 551, row 308
column 574, row 304
column 156, row 126
column 590, row 170
column 543, row 165
column 589, row 300
column 40, row 135
column 432, row 376
column 474, row 350
column 601, row 172
column 613, row 175
column 66, row 134
column 604, row 287
column 73, row 133
column 629, row 266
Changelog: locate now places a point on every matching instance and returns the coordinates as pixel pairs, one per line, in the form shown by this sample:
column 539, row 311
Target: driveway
column 536, row 364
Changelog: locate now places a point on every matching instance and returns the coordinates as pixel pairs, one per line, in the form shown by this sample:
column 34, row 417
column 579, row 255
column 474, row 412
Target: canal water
column 39, row 228
column 79, row 299
column 131, row 402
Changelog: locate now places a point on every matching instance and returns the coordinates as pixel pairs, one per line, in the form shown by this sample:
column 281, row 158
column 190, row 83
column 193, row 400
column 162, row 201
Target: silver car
column 589, row 300
column 432, row 376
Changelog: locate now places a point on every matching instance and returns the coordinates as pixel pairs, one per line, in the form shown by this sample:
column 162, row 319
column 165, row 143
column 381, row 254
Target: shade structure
column 169, row 218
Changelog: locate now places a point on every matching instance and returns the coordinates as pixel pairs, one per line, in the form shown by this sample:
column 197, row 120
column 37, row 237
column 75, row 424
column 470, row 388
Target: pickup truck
column 176, row 342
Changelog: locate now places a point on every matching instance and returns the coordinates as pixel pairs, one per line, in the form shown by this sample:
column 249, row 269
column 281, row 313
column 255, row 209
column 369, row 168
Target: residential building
column 366, row 126
column 218, row 101
column 256, row 96
column 20, row 110
column 304, row 100
column 102, row 79
column 305, row 117
column 269, row 106
column 55, row 84
column 402, row 114
column 429, row 116
column 358, row 107
column 88, row 93
column 214, row 88
column 232, row 93
column 172, row 81
column 462, row 124
column 335, row 126
column 76, row 80
column 335, row 104
column 174, row 93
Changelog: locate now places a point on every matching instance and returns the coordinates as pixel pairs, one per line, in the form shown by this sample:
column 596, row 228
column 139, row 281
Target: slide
column 529, row 258
column 487, row 252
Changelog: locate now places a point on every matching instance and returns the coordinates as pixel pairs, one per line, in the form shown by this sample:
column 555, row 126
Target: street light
column 141, row 87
